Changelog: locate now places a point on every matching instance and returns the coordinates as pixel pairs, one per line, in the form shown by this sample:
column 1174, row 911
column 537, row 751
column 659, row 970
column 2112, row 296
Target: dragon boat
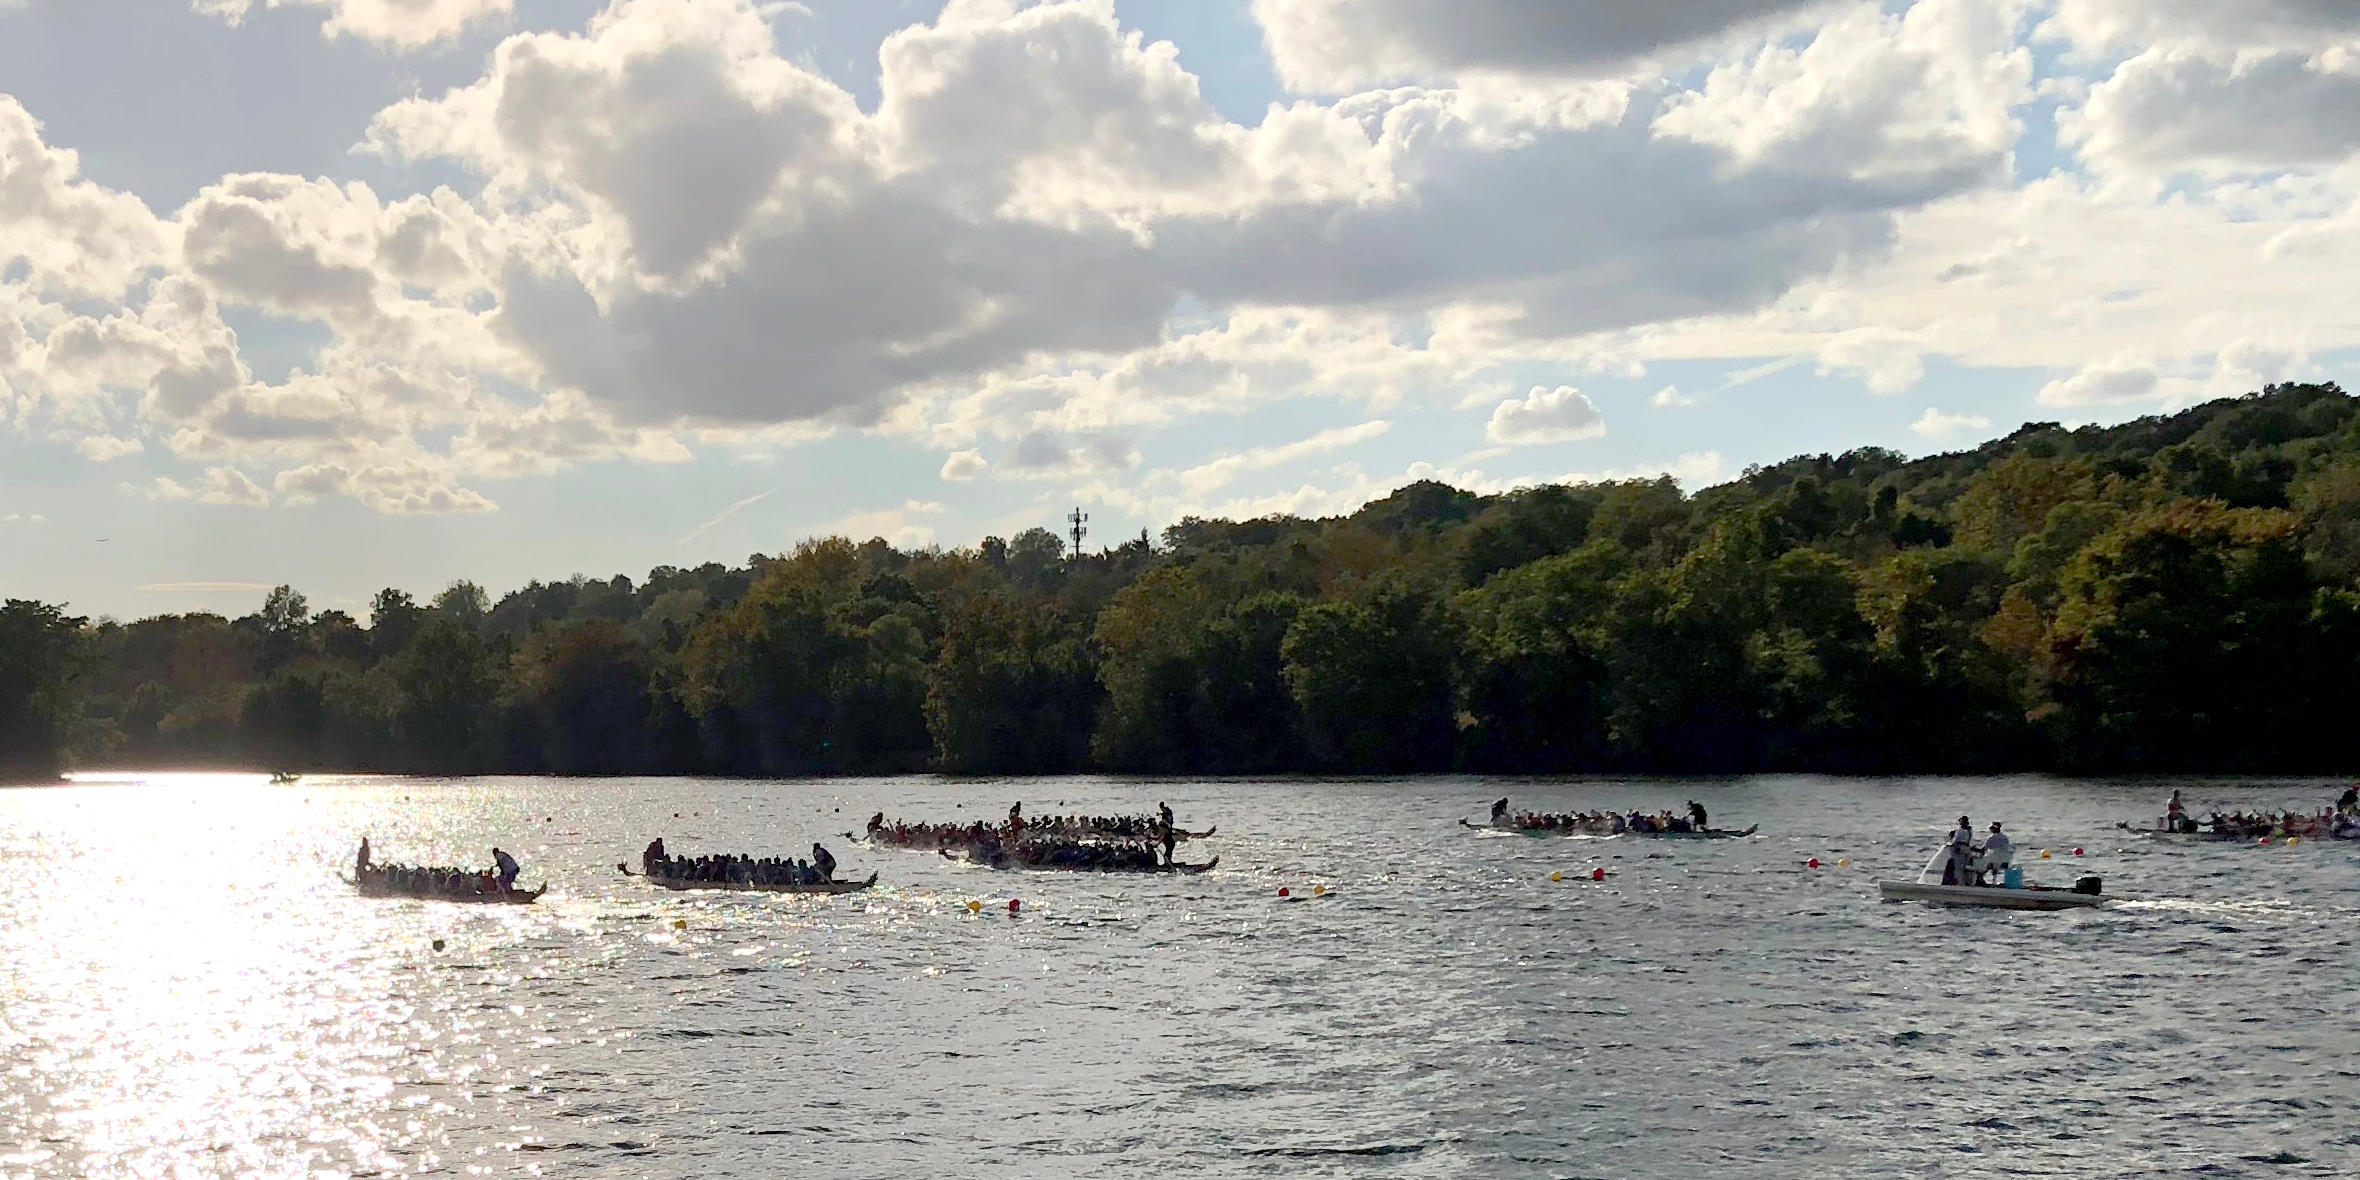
column 670, row 881
column 377, row 882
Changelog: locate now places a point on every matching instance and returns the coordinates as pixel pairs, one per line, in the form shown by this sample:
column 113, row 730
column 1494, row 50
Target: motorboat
column 1999, row 897
column 1952, row 878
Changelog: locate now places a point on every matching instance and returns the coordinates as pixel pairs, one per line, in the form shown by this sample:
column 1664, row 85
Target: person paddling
column 825, row 862
column 508, row 869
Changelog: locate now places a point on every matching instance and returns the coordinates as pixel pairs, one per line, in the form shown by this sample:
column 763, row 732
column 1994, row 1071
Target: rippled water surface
column 190, row 990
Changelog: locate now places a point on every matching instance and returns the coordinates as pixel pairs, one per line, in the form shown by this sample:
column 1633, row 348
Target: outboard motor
column 2089, row 885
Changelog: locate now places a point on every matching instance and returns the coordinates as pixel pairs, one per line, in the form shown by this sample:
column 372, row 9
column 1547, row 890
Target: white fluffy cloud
column 1545, row 415
column 2101, row 385
column 1936, row 425
column 1338, row 45
column 401, row 24
column 1042, row 245
column 221, row 485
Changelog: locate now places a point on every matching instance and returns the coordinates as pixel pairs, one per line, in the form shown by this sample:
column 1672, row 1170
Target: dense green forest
column 2176, row 593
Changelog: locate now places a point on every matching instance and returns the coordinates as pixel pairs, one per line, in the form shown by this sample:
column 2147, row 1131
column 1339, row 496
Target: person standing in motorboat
column 1998, row 851
column 1959, row 864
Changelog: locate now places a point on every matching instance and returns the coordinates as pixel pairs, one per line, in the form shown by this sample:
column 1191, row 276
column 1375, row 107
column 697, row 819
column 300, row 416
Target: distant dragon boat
column 378, row 882
column 668, row 881
column 1607, row 830
column 1038, row 864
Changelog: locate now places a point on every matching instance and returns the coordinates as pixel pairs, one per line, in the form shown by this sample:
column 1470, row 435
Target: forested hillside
column 2177, row 593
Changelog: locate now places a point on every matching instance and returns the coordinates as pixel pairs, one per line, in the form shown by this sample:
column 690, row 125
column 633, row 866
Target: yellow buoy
column 679, row 923
column 975, row 907
column 1556, row 876
column 1843, row 862
column 2044, row 854
column 1319, row 891
column 2293, row 840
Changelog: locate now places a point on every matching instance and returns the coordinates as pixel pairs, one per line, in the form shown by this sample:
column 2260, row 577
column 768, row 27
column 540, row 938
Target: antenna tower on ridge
column 1077, row 518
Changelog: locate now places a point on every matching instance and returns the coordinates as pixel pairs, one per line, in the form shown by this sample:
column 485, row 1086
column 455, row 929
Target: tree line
column 2177, row 593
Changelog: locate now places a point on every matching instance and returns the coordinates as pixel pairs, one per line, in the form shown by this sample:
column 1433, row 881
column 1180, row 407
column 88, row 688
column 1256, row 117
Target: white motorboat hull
column 1990, row 896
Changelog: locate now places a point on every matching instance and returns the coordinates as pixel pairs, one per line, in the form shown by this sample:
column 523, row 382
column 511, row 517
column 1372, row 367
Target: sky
column 349, row 294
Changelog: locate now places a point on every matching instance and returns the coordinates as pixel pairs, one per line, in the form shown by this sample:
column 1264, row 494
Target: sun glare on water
column 174, row 1012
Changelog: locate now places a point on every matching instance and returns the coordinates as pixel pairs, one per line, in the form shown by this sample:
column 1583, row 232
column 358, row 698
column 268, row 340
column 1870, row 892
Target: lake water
column 191, row 991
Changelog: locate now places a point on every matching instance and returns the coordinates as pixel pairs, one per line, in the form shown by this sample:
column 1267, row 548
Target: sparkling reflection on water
column 190, row 990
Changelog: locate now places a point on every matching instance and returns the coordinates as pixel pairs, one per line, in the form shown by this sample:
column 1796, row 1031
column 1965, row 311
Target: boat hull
column 826, row 887
column 1050, row 868
column 1991, row 897
column 1707, row 834
column 511, row 897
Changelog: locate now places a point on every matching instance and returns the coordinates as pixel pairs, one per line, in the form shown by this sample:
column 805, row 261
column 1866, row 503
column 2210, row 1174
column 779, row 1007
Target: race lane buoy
column 1013, row 905
column 2044, row 854
column 1319, row 891
column 1811, row 863
column 1844, row 862
column 679, row 923
column 2291, row 841
column 2077, row 852
column 438, row 944
column 1556, row 876
column 1597, row 874
column 974, row 907
column 1283, row 891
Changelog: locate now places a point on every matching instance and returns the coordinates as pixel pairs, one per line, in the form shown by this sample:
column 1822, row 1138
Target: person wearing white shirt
column 1959, row 870
column 1997, row 851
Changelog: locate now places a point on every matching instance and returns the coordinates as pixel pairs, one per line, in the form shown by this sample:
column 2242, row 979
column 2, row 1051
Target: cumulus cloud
column 1888, row 361
column 1337, row 45
column 2175, row 107
column 400, row 24
column 60, row 233
column 394, row 488
column 2101, row 385
column 221, row 485
column 1692, row 470
column 964, row 465
column 1936, row 425
column 99, row 448
column 1670, row 397
column 1545, row 415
